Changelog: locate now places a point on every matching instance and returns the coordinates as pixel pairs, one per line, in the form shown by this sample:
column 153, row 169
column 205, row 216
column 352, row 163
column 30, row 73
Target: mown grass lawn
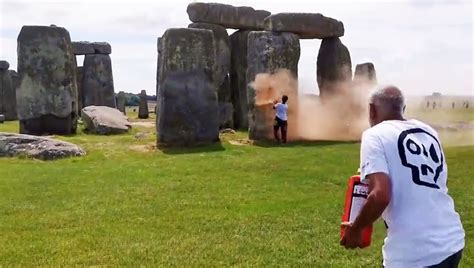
column 127, row 204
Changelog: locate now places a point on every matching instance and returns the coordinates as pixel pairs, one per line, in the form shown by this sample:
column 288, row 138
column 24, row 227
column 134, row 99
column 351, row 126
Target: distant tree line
column 132, row 99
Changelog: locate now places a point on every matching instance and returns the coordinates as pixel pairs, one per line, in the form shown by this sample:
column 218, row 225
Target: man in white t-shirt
column 404, row 165
column 281, row 118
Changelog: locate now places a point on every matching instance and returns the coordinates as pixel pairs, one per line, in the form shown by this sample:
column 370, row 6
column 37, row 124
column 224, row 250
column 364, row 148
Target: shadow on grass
column 172, row 150
column 270, row 143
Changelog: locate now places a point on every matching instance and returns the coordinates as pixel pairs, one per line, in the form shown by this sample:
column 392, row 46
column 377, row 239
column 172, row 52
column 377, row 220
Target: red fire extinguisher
column 356, row 196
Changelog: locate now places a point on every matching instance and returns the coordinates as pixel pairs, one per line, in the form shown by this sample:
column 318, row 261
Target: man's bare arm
column 378, row 199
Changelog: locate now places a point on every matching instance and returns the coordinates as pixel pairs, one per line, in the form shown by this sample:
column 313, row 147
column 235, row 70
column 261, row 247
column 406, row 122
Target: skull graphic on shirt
column 420, row 151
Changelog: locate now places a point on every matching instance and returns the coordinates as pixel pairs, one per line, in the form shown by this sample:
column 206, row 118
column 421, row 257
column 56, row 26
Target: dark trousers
column 450, row 262
column 280, row 124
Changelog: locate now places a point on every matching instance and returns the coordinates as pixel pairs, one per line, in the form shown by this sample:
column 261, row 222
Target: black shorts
column 280, row 123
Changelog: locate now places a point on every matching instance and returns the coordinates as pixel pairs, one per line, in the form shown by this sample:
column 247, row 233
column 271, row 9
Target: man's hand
column 352, row 237
column 275, row 102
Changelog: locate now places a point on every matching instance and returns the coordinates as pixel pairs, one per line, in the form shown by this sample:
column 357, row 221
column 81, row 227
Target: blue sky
column 421, row 46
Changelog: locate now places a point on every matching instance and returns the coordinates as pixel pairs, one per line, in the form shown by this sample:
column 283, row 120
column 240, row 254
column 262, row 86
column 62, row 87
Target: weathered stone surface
column 226, row 109
column 268, row 52
column 185, row 50
column 238, row 72
column 365, row 73
column 43, row 148
column 7, row 96
column 97, row 81
column 79, row 77
column 4, row 65
column 244, row 18
column 15, row 79
column 102, row 48
column 306, row 25
column 222, row 48
column 103, row 120
column 333, row 66
column 83, row 48
column 223, row 68
column 121, row 102
column 143, row 106
column 159, row 60
column 189, row 110
column 47, row 69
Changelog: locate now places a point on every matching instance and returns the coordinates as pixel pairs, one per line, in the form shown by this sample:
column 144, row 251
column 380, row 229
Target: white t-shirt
column 281, row 111
column 423, row 227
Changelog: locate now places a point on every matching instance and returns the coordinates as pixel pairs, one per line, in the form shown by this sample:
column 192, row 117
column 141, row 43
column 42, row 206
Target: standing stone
column 333, row 67
column 97, row 81
column 121, row 102
column 187, row 91
column 189, row 109
column 244, row 18
column 226, row 109
column 238, row 72
column 365, row 73
column 222, row 73
column 158, row 67
column 15, row 80
column 143, row 106
column 79, row 77
column 306, row 25
column 269, row 52
column 47, row 95
column 7, row 93
column 186, row 49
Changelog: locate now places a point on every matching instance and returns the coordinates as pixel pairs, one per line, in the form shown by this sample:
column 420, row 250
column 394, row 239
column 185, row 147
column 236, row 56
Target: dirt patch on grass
column 147, row 124
column 241, row 142
column 143, row 148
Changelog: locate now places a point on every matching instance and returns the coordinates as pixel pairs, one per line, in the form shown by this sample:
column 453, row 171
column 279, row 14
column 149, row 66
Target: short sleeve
column 372, row 156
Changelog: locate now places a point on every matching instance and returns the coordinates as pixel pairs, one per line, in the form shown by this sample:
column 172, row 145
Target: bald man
column 404, row 165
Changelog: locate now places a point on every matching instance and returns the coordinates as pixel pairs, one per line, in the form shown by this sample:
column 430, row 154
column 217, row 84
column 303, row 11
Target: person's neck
column 395, row 117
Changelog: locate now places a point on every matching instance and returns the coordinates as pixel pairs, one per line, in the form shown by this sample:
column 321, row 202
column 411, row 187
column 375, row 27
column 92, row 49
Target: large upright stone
column 97, row 81
column 47, row 95
column 223, row 68
column 365, row 73
column 333, row 67
column 159, row 60
column 143, row 106
column 238, row 73
column 15, row 79
column 244, row 18
column 121, row 102
column 7, row 92
column 268, row 52
column 79, row 77
column 189, row 109
column 306, row 25
column 187, row 87
column 185, row 49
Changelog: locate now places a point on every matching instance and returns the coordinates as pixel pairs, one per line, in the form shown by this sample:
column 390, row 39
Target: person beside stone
column 404, row 165
column 281, row 119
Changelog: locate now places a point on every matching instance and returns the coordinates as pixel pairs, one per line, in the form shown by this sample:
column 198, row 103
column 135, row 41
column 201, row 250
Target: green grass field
column 128, row 204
